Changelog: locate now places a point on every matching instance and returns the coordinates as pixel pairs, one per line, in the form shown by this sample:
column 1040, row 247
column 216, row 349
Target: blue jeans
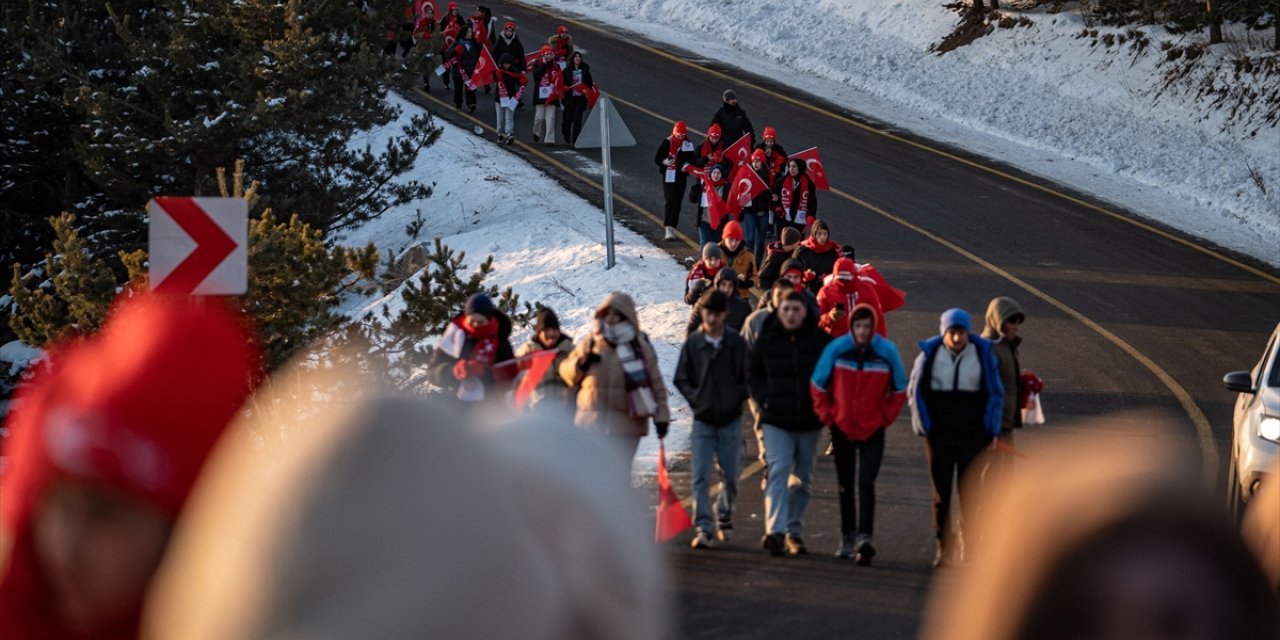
column 788, row 453
column 725, row 444
column 753, row 232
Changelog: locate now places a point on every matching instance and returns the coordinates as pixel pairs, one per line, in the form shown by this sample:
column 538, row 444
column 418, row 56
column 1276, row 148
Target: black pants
column 460, row 90
column 847, row 453
column 575, row 109
column 946, row 463
column 673, row 194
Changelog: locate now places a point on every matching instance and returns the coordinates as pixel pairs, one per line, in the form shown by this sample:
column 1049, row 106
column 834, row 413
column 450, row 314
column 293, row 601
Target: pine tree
column 68, row 296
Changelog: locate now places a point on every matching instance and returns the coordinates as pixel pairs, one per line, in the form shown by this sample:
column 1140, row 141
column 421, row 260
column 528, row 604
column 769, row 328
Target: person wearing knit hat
column 957, row 400
column 714, row 185
column 703, row 271
column 737, row 255
column 775, row 155
column 756, row 214
column 732, row 119
column 507, row 42
column 674, row 153
column 474, row 356
column 562, row 43
column 843, row 291
column 547, row 84
column 107, row 440
column 551, row 392
column 818, row 254
column 778, row 252
column 726, row 282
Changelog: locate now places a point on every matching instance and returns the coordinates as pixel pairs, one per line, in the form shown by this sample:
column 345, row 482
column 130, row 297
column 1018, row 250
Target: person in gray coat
column 712, row 375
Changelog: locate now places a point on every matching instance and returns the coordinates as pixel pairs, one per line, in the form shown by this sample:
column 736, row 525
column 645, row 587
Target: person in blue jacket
column 957, row 401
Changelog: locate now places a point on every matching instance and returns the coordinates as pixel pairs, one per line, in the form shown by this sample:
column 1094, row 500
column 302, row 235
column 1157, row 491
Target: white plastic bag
column 1033, row 413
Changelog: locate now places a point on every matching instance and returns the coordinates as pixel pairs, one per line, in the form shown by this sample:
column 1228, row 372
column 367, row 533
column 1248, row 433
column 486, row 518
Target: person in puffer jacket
column 858, row 388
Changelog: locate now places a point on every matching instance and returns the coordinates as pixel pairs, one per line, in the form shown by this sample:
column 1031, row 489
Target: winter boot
column 864, row 551
column 670, row 234
column 774, row 543
column 846, row 546
column 725, row 532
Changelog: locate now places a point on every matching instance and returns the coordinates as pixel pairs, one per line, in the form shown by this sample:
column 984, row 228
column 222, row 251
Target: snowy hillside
column 1035, row 94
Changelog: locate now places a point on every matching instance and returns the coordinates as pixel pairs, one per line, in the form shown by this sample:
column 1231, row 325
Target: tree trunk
column 1215, row 25
column 995, row 4
column 978, row 7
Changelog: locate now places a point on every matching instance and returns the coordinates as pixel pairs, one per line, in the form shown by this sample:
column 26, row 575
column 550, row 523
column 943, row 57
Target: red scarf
column 674, row 148
column 485, row 338
column 552, row 78
column 819, row 248
column 502, row 86
column 714, row 152
column 789, row 186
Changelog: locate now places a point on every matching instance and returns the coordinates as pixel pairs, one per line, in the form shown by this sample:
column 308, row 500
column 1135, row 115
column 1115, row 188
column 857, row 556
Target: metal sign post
column 608, row 185
column 613, row 132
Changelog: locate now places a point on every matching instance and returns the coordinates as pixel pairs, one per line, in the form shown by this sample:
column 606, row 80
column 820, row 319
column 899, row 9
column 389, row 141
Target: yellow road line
column 923, row 147
column 563, row 167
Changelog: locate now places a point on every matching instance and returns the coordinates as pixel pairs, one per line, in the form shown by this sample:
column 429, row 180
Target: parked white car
column 1255, row 444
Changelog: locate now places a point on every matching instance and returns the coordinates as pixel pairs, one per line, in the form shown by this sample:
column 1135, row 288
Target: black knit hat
column 727, row 273
column 481, row 304
column 545, row 319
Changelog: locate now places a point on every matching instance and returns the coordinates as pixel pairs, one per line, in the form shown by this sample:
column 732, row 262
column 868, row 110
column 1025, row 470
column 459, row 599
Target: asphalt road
column 1122, row 313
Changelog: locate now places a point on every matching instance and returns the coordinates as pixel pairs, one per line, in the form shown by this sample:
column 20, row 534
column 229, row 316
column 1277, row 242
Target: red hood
column 818, row 248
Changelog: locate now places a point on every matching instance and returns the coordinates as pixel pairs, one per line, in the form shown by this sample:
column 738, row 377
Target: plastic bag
column 1033, row 413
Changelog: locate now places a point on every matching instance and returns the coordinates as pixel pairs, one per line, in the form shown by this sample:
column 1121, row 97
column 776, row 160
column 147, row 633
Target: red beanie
column 732, row 230
column 758, row 155
column 680, row 129
column 844, row 269
column 713, row 130
column 769, row 133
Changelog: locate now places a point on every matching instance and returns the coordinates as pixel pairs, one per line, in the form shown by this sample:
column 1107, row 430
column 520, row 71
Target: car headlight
column 1269, row 428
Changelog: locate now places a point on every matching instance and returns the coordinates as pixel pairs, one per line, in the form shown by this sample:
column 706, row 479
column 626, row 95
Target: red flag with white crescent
column 745, row 186
column 695, row 171
column 592, row 93
column 815, row 170
column 483, row 74
column 891, row 297
column 739, row 152
column 717, row 208
column 530, row 58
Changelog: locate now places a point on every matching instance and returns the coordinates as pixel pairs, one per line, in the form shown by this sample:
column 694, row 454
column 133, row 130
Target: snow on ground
column 547, row 243
column 1036, row 96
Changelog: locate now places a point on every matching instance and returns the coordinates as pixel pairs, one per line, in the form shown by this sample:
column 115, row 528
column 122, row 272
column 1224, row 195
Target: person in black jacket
column 795, row 198
column 817, row 254
column 726, row 281
column 508, row 42
column 464, row 54
column 780, row 366
column 575, row 101
column 733, row 119
column 674, row 153
column 711, row 375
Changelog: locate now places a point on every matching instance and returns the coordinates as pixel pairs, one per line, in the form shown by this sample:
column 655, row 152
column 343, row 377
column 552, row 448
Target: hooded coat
column 739, row 308
column 514, row 47
column 859, row 389
column 441, row 370
column 601, row 386
column 851, row 293
column 1006, row 352
column 405, row 518
column 818, row 258
column 921, row 395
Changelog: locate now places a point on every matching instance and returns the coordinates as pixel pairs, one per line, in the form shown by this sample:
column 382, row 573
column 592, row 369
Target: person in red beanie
column 775, row 155
column 548, row 85
column 106, row 442
column 846, row 290
column 738, row 256
column 562, row 44
column 757, row 214
column 674, row 153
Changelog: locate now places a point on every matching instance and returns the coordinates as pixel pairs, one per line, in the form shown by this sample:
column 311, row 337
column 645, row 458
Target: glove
column 661, row 428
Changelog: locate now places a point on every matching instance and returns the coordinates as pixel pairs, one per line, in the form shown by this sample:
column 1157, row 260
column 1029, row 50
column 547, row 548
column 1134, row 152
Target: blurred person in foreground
column 415, row 518
column 1108, row 538
column 104, row 449
column 1261, row 526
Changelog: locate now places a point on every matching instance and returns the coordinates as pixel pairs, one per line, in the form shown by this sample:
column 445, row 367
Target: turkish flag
column 535, row 365
column 450, row 36
column 745, row 186
column 483, row 74
column 891, row 297
column 717, row 208
column 815, row 170
column 672, row 518
column 592, row 93
column 530, row 58
column 740, row 151
column 695, row 171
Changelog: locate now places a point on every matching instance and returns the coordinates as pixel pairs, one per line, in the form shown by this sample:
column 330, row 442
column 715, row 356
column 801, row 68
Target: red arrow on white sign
column 198, row 246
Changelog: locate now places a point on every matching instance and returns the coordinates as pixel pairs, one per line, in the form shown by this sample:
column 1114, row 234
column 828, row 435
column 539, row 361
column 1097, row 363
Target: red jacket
column 851, row 293
column 859, row 389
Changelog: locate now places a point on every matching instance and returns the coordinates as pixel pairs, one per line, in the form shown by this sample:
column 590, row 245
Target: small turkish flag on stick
column 672, row 518
column 815, row 169
column 739, row 152
column 746, row 186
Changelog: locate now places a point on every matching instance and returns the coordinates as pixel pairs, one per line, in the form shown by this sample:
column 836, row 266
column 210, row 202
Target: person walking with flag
column 711, row 375
column 511, row 84
column 674, row 153
column 795, row 199
column 577, row 77
column 548, row 79
column 615, row 376
column 703, row 272
column 756, row 212
column 858, row 389
column 507, row 42
column 474, row 355
column 562, row 45
column 712, row 209
column 460, row 62
column 549, row 391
